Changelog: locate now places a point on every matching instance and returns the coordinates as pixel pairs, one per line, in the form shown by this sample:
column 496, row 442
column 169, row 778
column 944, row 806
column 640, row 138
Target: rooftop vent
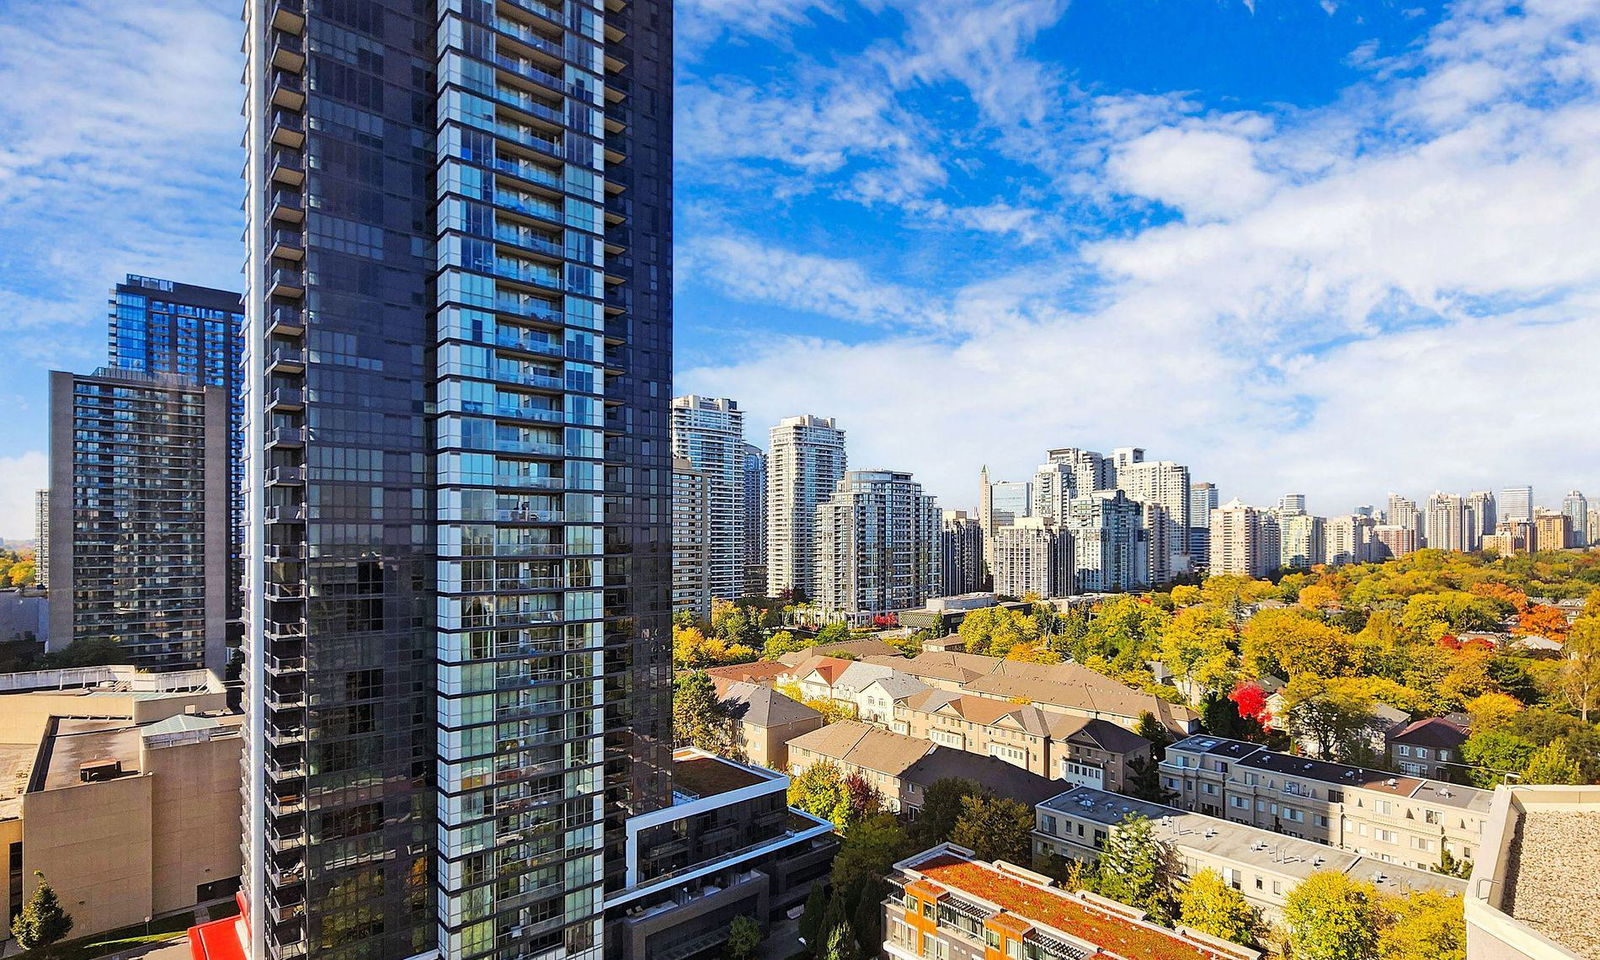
column 94, row 771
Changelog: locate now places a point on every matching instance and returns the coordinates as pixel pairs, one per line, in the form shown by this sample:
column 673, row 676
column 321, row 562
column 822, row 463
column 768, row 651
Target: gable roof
column 761, row 671
column 1104, row 734
column 764, row 707
column 863, row 745
column 1430, row 732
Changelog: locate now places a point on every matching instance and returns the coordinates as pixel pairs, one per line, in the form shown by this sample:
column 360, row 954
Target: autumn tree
column 1552, row 763
column 781, row 643
column 1540, row 620
column 1197, row 644
column 1209, row 905
column 994, row 828
column 1580, row 674
column 993, row 631
column 699, row 716
column 1422, row 925
column 1329, row 916
column 1289, row 642
column 819, row 790
column 1337, row 716
column 1138, row 868
column 1492, row 710
column 694, row 650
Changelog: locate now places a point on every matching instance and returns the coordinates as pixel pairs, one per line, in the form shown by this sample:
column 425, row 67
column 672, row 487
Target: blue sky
column 1336, row 247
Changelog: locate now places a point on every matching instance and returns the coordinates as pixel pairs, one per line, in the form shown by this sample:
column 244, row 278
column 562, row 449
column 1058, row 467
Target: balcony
column 287, row 438
column 286, row 320
column 279, row 839
column 533, row 308
column 287, row 398
column 284, row 592
column 287, row 205
column 288, row 128
column 288, row 52
column 286, row 360
column 288, row 167
column 286, row 244
column 285, row 666
column 289, row 282
column 284, row 477
column 288, row 90
column 285, row 699
column 285, row 513
column 283, row 552
column 285, row 630
column 289, row 16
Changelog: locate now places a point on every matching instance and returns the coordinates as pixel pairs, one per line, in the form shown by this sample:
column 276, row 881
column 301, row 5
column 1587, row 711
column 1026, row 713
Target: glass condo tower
column 458, row 476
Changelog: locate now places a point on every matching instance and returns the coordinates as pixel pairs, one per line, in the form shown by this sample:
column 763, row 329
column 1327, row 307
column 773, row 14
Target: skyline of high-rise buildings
column 805, row 460
column 709, row 433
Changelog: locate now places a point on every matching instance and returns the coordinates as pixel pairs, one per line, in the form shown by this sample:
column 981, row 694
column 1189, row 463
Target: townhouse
column 1403, row 820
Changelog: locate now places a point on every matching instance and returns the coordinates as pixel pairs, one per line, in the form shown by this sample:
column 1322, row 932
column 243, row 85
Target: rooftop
column 1226, row 839
column 763, row 706
column 1554, row 859
column 71, row 743
column 1075, row 917
column 696, row 774
column 863, row 745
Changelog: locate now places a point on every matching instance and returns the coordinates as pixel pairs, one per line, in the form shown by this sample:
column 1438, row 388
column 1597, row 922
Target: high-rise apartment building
column 1054, row 486
column 138, row 520
column 1000, row 502
column 1164, row 483
column 709, row 433
column 1576, row 507
column 1403, row 513
column 1485, row 513
column 1448, row 524
column 41, row 538
column 1511, row 537
column 1350, row 539
column 458, row 351
column 1244, row 541
column 1091, row 471
column 691, row 540
column 755, row 521
column 805, row 461
column 1292, row 504
column 1551, row 531
column 1516, row 503
column 1302, row 541
column 1110, row 543
column 1393, row 540
column 877, row 545
column 1593, row 525
column 1033, row 556
column 165, row 328
column 961, row 565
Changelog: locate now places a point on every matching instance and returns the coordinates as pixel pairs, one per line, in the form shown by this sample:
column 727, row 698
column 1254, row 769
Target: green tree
column 1493, row 754
column 1552, row 763
column 1209, row 905
column 1580, row 675
column 1423, row 925
column 831, row 633
column 1138, row 869
column 43, row 920
column 1156, row 732
column 994, row 828
column 1338, row 716
column 1197, row 644
column 819, row 790
column 941, row 807
column 1329, row 916
column 744, row 935
column 1144, row 781
column 841, row 945
column 859, row 883
column 781, row 643
column 699, row 717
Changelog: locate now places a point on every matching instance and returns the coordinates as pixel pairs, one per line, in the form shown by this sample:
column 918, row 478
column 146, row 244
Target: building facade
column 1033, row 556
column 1350, row 539
column 139, row 520
column 755, row 521
column 709, row 433
column 805, row 461
column 877, row 545
column 41, row 538
column 1576, row 506
column 691, row 540
column 1166, row 484
column 458, row 351
column 1202, row 500
column 1241, row 544
column 961, row 565
column 1551, row 530
column 1303, row 541
column 1516, row 503
column 1110, row 543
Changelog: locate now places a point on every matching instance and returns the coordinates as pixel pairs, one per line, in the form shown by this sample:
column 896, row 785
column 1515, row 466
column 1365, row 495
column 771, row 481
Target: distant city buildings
column 709, row 433
column 877, row 545
column 1245, row 541
column 1292, row 504
column 1033, row 556
column 1516, row 503
column 961, row 565
column 140, row 527
column 691, row 540
column 1166, row 484
column 1303, row 541
column 1202, row 500
column 755, row 521
column 1576, row 507
column 41, row 538
column 806, row 460
column 1350, row 539
column 1111, row 547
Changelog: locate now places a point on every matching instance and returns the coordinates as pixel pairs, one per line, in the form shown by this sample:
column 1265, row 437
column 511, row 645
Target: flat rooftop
column 16, row 764
column 1554, row 860
column 696, row 774
column 75, row 742
column 1241, row 842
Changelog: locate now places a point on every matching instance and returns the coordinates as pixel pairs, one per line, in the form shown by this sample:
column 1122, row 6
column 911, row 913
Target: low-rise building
column 729, row 845
column 1055, row 746
column 765, row 721
column 1396, row 819
column 1428, row 748
column 1263, row 866
column 902, row 768
column 1531, row 896
column 945, row 904
column 122, row 788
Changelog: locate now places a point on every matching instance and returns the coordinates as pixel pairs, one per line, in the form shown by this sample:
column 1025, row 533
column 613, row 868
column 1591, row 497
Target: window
column 1405, row 751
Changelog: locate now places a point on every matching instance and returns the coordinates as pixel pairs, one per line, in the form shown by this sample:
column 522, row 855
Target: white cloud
column 20, row 478
column 1398, row 291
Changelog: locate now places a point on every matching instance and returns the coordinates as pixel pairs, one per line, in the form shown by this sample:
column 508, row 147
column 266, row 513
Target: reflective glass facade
column 458, row 353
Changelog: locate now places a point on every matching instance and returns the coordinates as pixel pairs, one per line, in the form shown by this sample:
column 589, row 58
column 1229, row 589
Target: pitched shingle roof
column 764, row 707
column 863, row 745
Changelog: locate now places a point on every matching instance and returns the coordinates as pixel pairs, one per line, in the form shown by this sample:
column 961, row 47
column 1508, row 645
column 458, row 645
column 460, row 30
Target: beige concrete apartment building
column 765, row 721
column 1395, row 819
column 122, row 788
column 1075, row 749
column 1263, row 866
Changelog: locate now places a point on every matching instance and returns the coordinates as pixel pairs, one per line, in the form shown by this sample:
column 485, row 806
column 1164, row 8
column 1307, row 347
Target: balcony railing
column 288, row 205
column 288, row 166
column 288, row 51
column 286, row 282
column 285, row 437
column 288, row 128
column 288, row 358
column 286, row 476
column 286, row 320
